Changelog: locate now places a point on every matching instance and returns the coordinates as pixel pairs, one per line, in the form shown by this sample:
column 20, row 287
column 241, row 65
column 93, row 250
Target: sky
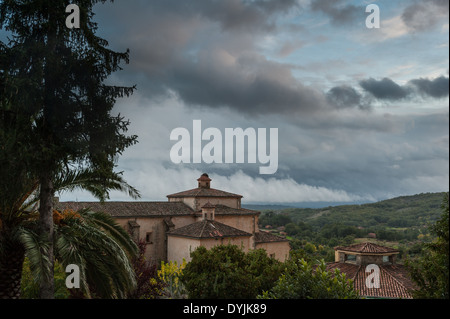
column 362, row 113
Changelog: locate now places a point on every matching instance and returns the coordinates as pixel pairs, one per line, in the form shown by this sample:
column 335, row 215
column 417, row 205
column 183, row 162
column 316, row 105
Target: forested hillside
column 400, row 222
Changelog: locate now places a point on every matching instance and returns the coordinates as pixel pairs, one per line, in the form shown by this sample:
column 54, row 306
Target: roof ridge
column 203, row 228
column 208, row 192
column 356, row 272
column 368, row 247
column 395, row 278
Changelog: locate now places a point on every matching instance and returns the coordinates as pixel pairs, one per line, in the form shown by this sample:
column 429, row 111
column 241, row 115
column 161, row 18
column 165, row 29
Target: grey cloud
column 375, row 162
column 160, row 29
column 205, row 52
column 241, row 14
column 182, row 48
column 385, row 89
column 339, row 12
column 231, row 14
column 248, row 83
column 423, row 15
column 437, row 88
column 345, row 96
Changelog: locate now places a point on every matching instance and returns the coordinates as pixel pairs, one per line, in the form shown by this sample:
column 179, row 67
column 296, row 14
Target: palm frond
column 97, row 184
column 34, row 247
column 90, row 242
column 114, row 230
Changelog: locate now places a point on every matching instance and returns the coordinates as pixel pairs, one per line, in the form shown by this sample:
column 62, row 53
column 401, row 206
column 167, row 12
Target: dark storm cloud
column 231, row 15
column 248, row 84
column 345, row 96
column 241, row 14
column 422, row 15
column 385, row 89
column 437, row 88
column 339, row 12
column 206, row 52
column 159, row 30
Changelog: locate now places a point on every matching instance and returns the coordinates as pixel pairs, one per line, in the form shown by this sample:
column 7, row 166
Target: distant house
column 353, row 260
column 202, row 216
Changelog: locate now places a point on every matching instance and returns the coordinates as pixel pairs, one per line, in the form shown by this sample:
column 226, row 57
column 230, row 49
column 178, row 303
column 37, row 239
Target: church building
column 202, row 216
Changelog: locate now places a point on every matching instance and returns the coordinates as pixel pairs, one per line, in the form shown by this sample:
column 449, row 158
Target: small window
column 350, row 257
column 385, row 259
column 149, row 238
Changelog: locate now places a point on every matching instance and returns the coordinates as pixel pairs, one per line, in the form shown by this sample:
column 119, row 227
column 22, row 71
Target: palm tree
column 94, row 242
column 91, row 240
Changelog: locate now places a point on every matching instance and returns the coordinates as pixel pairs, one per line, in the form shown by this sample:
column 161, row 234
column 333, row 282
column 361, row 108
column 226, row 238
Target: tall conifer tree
column 54, row 77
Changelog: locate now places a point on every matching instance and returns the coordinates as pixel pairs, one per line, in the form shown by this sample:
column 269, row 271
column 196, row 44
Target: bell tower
column 204, row 181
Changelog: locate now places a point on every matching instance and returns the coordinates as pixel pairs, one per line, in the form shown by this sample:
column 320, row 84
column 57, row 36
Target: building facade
column 202, row 216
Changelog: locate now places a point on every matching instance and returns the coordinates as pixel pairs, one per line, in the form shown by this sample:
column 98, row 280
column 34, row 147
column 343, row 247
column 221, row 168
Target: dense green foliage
column 302, row 280
column 30, row 288
column 430, row 270
column 229, row 273
column 226, row 272
column 405, row 211
column 403, row 221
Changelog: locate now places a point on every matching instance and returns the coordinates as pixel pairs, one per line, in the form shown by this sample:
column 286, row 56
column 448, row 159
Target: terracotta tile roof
column 266, row 237
column 350, row 270
column 225, row 210
column 394, row 280
column 132, row 209
column 208, row 229
column 400, row 273
column 368, row 248
column 204, row 192
column 208, row 205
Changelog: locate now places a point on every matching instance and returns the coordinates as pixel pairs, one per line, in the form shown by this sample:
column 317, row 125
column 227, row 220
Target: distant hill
column 265, row 207
column 400, row 212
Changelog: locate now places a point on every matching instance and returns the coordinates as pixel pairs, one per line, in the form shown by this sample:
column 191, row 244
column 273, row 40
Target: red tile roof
column 394, row 280
column 208, row 205
column 266, row 237
column 204, row 192
column 350, row 270
column 368, row 248
column 225, row 210
column 208, row 229
column 131, row 209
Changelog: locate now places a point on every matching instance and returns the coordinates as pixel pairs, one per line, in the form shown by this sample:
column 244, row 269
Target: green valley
column 400, row 222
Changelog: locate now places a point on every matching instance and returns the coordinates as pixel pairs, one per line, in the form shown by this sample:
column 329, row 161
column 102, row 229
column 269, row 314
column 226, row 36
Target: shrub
column 227, row 272
column 301, row 280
